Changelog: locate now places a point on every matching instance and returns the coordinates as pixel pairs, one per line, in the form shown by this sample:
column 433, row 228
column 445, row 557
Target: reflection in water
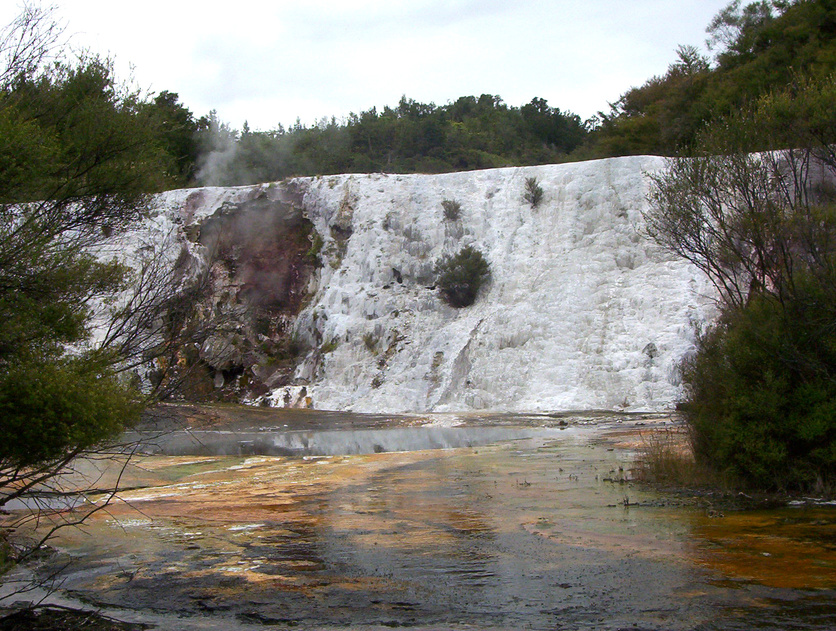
column 536, row 530
column 274, row 442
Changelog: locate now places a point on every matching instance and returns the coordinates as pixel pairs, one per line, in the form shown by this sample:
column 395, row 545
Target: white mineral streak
column 582, row 310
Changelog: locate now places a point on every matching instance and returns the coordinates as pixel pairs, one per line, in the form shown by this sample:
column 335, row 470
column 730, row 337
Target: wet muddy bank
column 543, row 530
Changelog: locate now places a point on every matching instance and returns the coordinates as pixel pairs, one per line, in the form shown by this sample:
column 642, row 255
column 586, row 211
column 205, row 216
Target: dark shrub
column 452, row 209
column 762, row 401
column 533, row 192
column 461, row 276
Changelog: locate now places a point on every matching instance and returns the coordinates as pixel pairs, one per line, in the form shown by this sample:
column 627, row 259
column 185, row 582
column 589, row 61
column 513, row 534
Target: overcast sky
column 271, row 61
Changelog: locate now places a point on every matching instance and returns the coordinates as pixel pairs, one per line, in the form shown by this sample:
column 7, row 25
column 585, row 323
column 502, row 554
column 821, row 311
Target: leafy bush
column 533, row 192
column 461, row 276
column 452, row 209
column 762, row 404
column 52, row 410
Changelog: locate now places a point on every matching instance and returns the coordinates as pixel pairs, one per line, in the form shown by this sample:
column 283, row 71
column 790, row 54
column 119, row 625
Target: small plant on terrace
column 329, row 347
column 461, row 276
column 370, row 340
column 533, row 192
column 452, row 209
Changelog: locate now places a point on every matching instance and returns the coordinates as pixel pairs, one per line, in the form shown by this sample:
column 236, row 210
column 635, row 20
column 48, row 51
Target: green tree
column 760, row 47
column 556, row 130
column 736, row 27
column 469, row 133
column 661, row 116
column 78, row 156
column 177, row 131
column 761, row 399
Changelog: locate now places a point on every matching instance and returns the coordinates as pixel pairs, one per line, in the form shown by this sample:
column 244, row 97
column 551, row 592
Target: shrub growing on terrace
column 533, row 192
column 460, row 276
column 452, row 209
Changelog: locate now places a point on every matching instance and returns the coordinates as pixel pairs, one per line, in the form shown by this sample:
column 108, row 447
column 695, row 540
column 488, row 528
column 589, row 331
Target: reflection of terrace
column 283, row 442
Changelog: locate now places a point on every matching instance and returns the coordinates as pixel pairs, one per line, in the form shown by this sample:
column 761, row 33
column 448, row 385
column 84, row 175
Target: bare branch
column 26, row 44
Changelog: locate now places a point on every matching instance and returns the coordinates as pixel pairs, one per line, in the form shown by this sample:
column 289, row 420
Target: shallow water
column 495, row 522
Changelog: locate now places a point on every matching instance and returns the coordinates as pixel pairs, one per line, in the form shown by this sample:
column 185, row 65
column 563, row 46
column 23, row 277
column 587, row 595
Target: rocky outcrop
column 250, row 259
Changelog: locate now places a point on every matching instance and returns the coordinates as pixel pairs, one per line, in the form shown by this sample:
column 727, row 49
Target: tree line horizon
column 755, row 48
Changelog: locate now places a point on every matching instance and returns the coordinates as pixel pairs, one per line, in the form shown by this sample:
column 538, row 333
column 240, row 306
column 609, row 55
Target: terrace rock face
column 330, row 282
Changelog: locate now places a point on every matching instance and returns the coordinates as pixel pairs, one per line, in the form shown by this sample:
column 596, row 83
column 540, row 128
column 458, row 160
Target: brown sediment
column 645, row 544
column 788, row 548
column 363, row 534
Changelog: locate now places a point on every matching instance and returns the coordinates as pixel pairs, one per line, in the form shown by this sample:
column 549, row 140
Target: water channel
column 309, row 520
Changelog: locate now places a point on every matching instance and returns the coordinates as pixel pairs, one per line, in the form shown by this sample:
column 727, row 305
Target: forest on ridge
column 755, row 48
